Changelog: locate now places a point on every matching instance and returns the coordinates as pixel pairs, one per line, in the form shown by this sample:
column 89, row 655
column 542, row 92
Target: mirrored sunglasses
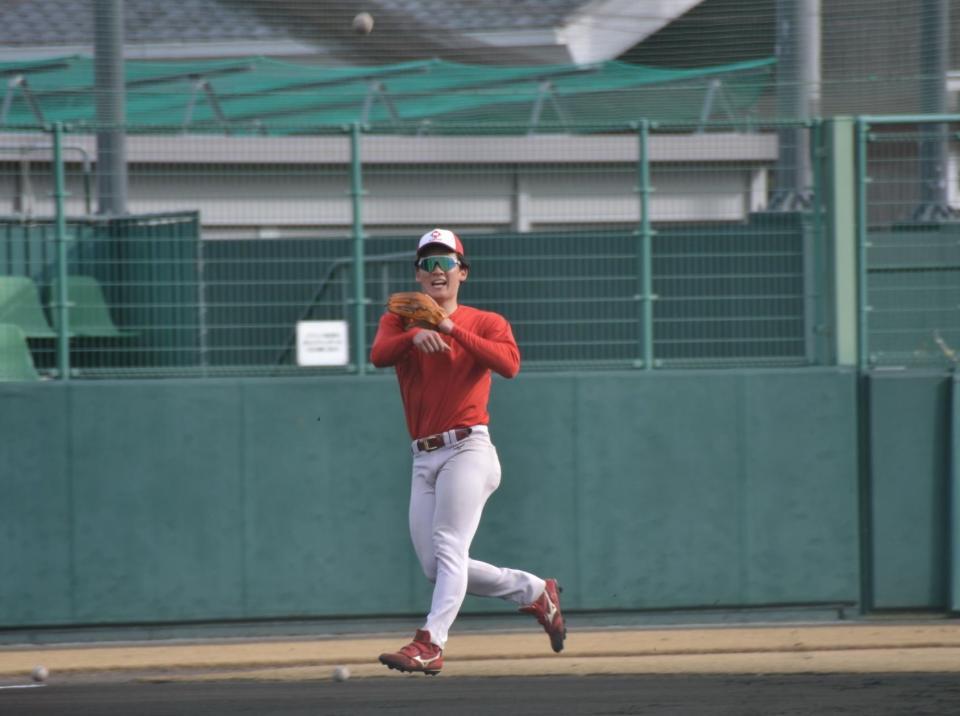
column 429, row 263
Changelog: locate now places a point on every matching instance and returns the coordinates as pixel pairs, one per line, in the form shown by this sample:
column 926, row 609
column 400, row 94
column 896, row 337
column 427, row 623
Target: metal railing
column 909, row 241
column 642, row 247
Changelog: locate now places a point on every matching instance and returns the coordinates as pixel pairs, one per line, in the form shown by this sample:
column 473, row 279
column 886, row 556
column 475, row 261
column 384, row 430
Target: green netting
column 270, row 97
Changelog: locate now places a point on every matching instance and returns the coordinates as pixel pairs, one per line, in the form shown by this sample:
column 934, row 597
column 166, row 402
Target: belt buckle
column 429, row 444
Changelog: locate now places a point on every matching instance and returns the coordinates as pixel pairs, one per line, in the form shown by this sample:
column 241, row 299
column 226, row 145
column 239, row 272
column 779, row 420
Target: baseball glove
column 418, row 309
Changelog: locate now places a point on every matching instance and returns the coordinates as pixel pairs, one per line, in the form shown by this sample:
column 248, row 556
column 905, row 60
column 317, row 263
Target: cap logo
column 442, row 237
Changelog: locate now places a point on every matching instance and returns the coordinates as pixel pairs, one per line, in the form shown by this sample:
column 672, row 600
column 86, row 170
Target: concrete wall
column 166, row 501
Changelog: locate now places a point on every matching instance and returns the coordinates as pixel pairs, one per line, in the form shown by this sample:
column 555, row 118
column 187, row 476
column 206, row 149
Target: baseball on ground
column 39, row 674
column 341, row 673
column 363, row 23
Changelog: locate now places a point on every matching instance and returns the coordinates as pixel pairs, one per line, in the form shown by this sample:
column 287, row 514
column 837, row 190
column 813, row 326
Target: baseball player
column 444, row 376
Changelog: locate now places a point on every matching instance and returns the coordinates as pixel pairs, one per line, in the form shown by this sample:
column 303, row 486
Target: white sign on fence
column 322, row 343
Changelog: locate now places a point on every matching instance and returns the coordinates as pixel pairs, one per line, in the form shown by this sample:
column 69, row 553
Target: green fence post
column 862, row 129
column 865, row 509
column 359, row 292
column 953, row 523
column 840, row 191
column 818, row 252
column 61, row 299
column 646, row 249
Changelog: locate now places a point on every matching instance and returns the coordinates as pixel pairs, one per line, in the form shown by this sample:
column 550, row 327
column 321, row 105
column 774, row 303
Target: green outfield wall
column 911, row 424
column 167, row 501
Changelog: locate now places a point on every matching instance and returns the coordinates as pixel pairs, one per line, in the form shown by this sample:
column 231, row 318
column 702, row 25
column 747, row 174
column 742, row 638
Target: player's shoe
column 419, row 655
column 547, row 611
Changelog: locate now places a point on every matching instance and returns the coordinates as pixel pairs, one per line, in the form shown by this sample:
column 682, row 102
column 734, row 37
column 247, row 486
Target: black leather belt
column 435, row 442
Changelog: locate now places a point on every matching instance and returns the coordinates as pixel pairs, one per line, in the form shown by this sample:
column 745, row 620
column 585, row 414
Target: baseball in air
column 341, row 673
column 39, row 674
column 363, row 23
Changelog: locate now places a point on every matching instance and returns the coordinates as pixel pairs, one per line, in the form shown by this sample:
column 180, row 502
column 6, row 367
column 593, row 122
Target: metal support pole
column 61, row 299
column 646, row 249
column 934, row 63
column 110, row 94
column 862, row 130
column 798, row 98
column 359, row 292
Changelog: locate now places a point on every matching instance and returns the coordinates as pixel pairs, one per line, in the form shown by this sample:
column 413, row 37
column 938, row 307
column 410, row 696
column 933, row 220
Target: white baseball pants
column 450, row 487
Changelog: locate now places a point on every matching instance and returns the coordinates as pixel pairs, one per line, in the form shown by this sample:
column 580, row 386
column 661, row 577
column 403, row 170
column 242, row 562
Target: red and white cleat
column 420, row 655
column 547, row 611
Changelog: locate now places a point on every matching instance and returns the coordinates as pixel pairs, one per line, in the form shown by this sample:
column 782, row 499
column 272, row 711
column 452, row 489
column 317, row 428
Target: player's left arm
column 492, row 344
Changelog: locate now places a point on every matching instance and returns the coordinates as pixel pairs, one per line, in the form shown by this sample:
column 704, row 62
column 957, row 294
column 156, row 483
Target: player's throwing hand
column 430, row 342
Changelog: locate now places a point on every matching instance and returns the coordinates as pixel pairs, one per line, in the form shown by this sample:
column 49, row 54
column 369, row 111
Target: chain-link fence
column 644, row 246
column 910, row 237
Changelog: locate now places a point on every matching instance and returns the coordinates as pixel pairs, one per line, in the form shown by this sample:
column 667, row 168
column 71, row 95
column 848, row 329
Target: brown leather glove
column 418, row 309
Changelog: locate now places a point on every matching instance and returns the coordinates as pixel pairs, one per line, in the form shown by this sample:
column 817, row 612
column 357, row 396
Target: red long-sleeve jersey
column 449, row 389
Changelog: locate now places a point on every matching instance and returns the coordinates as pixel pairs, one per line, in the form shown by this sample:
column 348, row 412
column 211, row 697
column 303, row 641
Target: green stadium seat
column 20, row 306
column 89, row 315
column 16, row 362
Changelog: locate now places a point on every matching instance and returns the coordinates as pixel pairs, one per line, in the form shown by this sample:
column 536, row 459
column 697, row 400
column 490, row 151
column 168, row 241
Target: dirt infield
column 856, row 648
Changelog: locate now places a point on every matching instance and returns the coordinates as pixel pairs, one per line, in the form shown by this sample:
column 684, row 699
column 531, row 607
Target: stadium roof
column 72, row 22
column 477, row 31
column 258, row 95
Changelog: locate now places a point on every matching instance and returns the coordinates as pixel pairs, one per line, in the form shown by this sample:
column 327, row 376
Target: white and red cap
column 441, row 237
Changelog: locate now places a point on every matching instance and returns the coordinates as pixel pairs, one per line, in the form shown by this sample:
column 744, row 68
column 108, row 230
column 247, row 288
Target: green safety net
column 262, row 96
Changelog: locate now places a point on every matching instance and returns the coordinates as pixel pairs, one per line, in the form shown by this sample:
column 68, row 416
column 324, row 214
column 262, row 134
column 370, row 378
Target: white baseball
column 363, row 23
column 341, row 673
column 39, row 673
